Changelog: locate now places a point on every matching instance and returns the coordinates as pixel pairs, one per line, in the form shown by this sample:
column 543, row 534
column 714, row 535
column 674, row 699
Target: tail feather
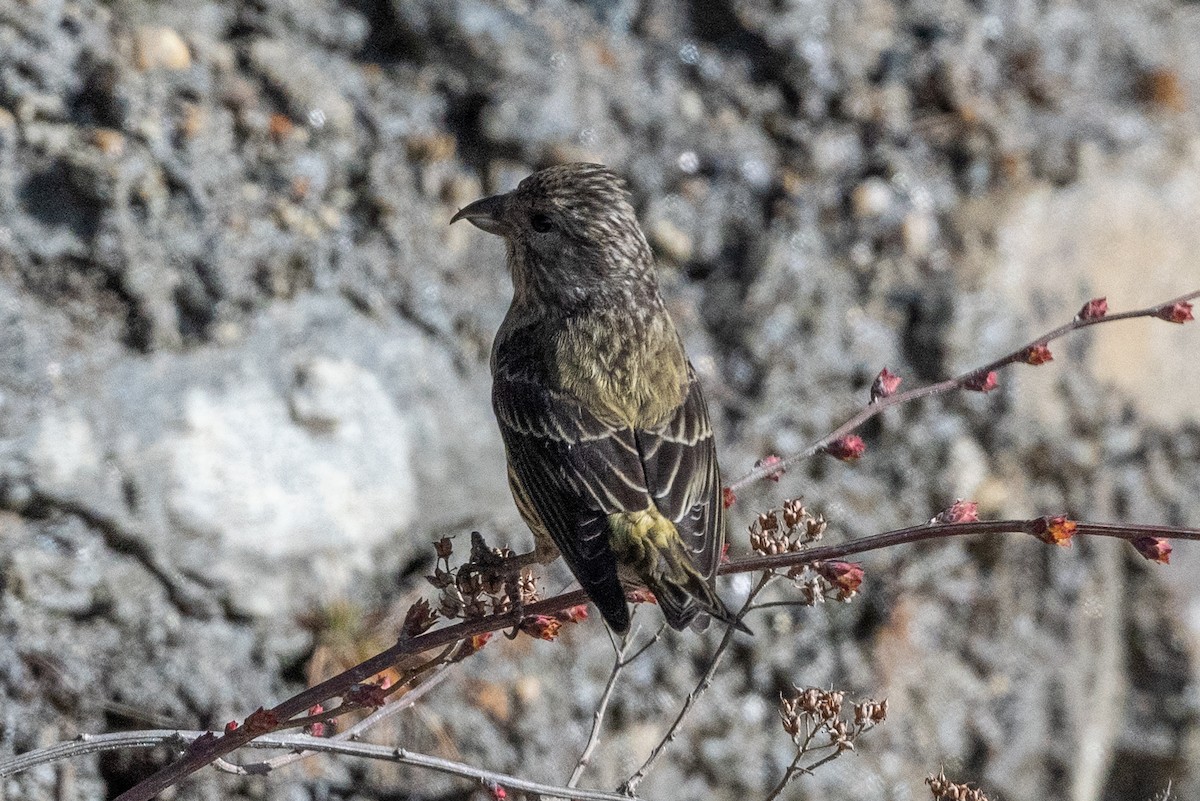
column 683, row 601
column 649, row 545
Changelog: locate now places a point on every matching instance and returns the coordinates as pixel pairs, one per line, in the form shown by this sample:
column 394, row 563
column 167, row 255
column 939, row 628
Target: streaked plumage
column 611, row 456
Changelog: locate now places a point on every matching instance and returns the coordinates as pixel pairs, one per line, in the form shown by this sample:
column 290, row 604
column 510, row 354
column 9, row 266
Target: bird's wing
column 679, row 461
column 574, row 470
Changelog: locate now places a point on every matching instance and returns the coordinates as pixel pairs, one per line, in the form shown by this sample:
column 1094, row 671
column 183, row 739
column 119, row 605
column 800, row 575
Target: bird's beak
column 486, row 214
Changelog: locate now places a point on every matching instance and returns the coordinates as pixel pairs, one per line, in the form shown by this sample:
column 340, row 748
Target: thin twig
column 805, row 748
column 634, row 656
column 877, row 407
column 351, row 734
column 88, row 744
column 794, row 768
column 204, row 753
column 630, row 785
column 619, row 664
column 932, row 531
column 439, row 661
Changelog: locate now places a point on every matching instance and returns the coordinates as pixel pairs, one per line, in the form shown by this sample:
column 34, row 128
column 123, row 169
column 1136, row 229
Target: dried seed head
column 443, row 547
column 419, row 618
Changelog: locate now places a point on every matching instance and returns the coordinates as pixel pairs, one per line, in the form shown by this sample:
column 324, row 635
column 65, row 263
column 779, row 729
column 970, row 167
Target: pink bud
column 1037, row 354
column 849, row 448
column 846, row 576
column 771, row 462
column 1156, row 549
column 886, row 384
column 959, row 512
column 1180, row 312
column 981, row 383
column 1094, row 309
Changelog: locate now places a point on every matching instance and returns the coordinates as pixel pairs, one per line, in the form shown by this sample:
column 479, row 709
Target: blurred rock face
column 243, row 364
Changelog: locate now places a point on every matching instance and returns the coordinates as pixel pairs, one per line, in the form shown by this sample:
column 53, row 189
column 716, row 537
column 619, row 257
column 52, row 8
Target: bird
column 611, row 457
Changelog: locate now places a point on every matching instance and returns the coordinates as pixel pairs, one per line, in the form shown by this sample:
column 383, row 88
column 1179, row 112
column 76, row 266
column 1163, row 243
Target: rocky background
column 243, row 375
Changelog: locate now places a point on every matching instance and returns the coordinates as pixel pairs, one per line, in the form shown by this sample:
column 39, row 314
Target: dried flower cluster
column 483, row 586
column 813, row 711
column 945, row 790
column 792, row 528
column 788, row 529
column 476, row 588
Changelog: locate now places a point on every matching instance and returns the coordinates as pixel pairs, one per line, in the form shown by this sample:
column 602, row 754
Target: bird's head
column 572, row 235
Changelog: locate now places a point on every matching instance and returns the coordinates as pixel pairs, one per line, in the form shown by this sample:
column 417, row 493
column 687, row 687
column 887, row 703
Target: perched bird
column 610, row 452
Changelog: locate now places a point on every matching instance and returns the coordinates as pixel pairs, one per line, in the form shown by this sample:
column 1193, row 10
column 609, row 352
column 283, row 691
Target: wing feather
column 572, row 471
column 680, row 462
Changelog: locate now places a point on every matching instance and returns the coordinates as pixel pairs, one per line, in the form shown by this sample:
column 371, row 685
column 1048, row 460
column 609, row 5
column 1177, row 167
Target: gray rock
column 243, row 368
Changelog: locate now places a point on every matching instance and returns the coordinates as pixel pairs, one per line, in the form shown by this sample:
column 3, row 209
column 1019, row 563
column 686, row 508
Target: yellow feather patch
column 641, row 539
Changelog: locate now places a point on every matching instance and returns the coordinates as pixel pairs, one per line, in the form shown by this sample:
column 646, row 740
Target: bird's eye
column 541, row 223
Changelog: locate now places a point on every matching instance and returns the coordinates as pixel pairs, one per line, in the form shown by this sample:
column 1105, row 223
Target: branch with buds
column 843, row 444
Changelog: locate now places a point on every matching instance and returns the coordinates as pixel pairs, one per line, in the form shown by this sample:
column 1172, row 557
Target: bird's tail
column 650, row 546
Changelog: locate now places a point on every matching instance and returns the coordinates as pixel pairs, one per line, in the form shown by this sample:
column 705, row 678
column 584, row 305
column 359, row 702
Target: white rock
column 247, row 477
column 64, row 451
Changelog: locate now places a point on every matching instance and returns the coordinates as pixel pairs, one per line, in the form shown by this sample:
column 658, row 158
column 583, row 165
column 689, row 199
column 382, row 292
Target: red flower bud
column 262, row 721
column 1180, row 312
column 847, row 577
column 474, row 644
column 1037, row 354
column 366, row 695
column 959, row 512
column 849, row 448
column 1056, row 530
column 316, row 728
column 641, row 596
column 981, row 382
column 1094, row 309
column 1156, row 549
column 573, row 614
column 886, row 384
column 542, row 627
column 771, row 461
